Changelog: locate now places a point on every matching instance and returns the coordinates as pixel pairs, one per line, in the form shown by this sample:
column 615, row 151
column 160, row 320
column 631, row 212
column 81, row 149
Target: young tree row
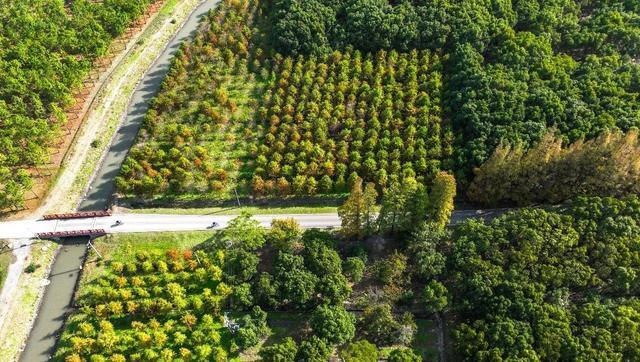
column 333, row 119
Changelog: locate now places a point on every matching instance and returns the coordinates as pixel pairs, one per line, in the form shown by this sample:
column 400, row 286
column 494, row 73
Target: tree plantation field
column 46, row 50
column 277, row 98
column 156, row 307
column 345, row 116
column 194, row 139
column 511, row 69
column 152, row 299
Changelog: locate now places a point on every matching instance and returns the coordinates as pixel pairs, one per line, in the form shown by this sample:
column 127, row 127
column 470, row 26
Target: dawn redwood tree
column 357, row 212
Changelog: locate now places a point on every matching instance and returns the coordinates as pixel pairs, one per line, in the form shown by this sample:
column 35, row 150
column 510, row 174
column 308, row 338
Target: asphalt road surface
column 136, row 223
column 58, row 298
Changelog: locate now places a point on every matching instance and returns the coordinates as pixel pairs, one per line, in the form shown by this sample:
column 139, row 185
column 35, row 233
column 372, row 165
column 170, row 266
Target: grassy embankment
column 22, row 313
column 112, row 100
column 5, row 260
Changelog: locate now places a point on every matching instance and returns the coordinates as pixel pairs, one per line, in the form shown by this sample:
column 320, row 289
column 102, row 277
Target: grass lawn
column 426, row 339
column 283, row 325
column 5, row 260
column 123, row 247
column 255, row 210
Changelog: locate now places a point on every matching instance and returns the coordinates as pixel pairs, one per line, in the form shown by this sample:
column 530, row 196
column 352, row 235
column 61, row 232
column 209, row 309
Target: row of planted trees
column 375, row 115
column 158, row 307
column 326, row 119
column 181, row 146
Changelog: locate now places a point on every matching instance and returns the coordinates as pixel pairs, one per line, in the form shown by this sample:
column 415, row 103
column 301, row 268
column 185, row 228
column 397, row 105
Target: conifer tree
column 441, row 198
column 357, row 212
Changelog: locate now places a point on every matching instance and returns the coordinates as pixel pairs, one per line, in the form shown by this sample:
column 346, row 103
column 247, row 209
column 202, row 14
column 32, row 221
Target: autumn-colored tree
column 551, row 173
column 357, row 212
column 441, row 198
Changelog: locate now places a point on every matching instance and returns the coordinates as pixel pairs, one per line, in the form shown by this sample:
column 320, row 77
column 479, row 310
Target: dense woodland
column 534, row 284
column 546, row 285
column 46, row 50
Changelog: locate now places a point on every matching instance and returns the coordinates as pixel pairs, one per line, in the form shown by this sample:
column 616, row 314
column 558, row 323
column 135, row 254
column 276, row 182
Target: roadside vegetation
column 22, row 312
column 535, row 284
column 46, row 50
column 235, row 210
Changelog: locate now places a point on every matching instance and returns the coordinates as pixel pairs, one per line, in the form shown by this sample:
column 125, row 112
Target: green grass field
column 254, row 210
column 426, row 339
column 5, row 260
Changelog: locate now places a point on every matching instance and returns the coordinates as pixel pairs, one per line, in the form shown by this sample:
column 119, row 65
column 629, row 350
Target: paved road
column 133, row 223
column 58, row 297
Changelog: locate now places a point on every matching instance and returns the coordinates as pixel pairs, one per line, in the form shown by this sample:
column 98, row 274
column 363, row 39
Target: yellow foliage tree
column 550, row 172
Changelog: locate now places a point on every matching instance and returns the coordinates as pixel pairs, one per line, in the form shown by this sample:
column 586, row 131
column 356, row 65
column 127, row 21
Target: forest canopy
column 548, row 285
column 511, row 70
column 46, row 49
